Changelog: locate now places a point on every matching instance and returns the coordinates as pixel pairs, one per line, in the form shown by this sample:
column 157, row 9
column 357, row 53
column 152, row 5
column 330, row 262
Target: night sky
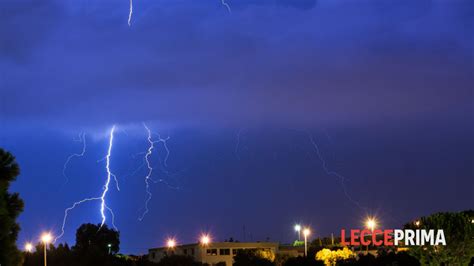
column 385, row 89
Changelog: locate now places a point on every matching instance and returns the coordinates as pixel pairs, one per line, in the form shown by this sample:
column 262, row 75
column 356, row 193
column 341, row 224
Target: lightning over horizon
column 130, row 13
column 102, row 198
column 224, row 3
column 82, row 139
column 130, row 10
column 149, row 152
column 333, row 173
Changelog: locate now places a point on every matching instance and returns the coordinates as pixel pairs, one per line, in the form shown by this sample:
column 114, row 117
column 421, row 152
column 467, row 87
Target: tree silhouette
column 10, row 207
column 97, row 240
column 459, row 231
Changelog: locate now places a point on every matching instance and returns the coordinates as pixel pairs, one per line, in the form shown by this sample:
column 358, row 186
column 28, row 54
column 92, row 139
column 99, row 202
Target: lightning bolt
column 82, row 139
column 237, row 144
column 224, row 3
column 130, row 10
column 102, row 198
column 150, row 171
column 149, row 152
column 333, row 173
column 130, row 13
column 103, row 205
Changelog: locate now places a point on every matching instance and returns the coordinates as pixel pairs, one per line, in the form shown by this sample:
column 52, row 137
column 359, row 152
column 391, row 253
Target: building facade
column 220, row 252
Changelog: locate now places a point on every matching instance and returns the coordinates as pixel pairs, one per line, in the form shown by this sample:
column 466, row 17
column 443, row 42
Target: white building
column 220, row 252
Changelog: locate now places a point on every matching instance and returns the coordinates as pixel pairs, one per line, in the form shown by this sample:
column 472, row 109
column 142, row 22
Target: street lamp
column 110, row 248
column 28, row 247
column 306, row 233
column 205, row 240
column 371, row 223
column 46, row 238
column 298, row 229
column 171, row 243
column 417, row 223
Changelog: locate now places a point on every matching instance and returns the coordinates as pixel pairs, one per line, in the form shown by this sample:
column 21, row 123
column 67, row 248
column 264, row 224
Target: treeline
column 95, row 245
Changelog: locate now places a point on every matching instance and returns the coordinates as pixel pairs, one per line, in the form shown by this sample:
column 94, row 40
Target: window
column 185, row 251
column 234, row 251
column 224, row 251
column 211, row 252
column 153, row 255
column 192, row 251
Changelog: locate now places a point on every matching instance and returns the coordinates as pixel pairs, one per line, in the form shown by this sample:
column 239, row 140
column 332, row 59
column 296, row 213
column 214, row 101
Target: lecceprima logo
column 393, row 237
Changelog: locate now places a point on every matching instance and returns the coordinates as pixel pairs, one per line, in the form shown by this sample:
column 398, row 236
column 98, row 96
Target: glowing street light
column 306, row 233
column 46, row 238
column 417, row 223
column 28, row 247
column 110, row 248
column 371, row 223
column 205, row 240
column 171, row 243
column 298, row 230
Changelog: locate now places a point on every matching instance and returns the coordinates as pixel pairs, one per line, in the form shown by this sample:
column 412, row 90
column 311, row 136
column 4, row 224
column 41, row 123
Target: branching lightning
column 102, row 198
column 237, row 144
column 130, row 10
column 82, row 139
column 149, row 152
column 333, row 173
column 150, row 171
column 103, row 205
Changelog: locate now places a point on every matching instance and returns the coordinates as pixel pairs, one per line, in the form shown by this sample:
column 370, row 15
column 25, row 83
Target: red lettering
column 387, row 237
column 354, row 237
column 343, row 238
column 374, row 237
column 363, row 233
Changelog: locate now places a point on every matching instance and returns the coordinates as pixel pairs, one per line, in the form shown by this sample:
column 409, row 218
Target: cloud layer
column 275, row 62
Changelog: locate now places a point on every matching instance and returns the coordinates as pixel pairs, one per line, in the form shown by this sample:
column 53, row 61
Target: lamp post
column 28, row 247
column 306, row 233
column 371, row 223
column 46, row 239
column 298, row 230
column 171, row 243
column 110, row 248
column 205, row 240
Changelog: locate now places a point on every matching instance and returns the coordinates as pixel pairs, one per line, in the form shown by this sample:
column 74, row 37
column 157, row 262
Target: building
column 221, row 252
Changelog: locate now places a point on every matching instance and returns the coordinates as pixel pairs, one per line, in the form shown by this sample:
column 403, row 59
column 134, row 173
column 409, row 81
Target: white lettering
column 397, row 236
column 409, row 236
column 440, row 238
column 427, row 236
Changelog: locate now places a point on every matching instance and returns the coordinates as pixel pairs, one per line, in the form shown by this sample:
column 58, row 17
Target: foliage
column 331, row 257
column 91, row 249
column 458, row 230
column 94, row 239
column 178, row 260
column 385, row 259
column 246, row 257
column 302, row 261
column 266, row 254
column 10, row 207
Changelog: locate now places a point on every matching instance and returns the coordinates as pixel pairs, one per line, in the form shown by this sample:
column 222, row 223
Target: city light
column 417, row 223
column 205, row 240
column 306, row 232
column 297, row 228
column 171, row 243
column 371, row 223
column 46, row 238
column 28, row 247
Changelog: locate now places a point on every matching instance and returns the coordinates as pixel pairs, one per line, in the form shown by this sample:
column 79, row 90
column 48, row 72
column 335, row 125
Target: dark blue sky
column 384, row 87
